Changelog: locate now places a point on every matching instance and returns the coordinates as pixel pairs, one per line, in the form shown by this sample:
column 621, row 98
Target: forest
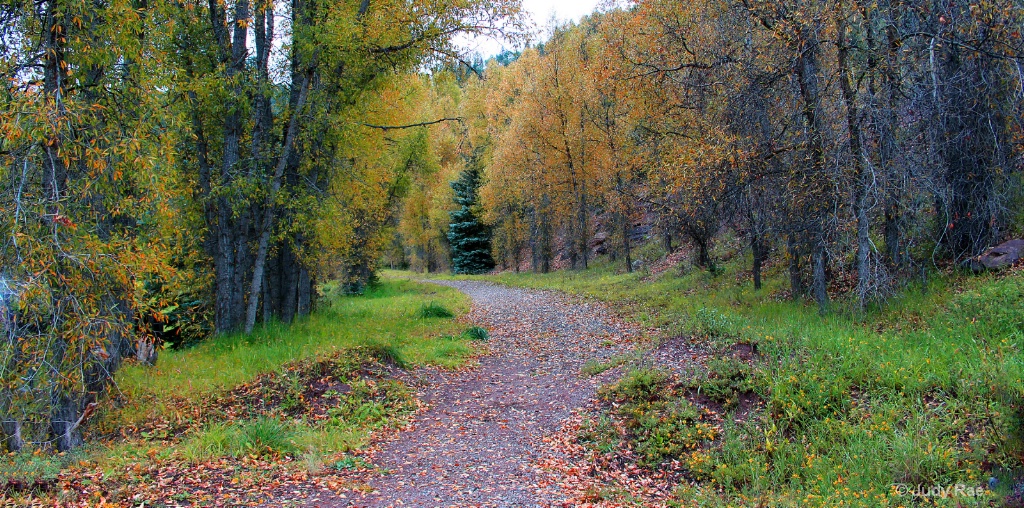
column 179, row 175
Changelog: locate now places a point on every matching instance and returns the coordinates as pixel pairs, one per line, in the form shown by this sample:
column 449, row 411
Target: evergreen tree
column 469, row 237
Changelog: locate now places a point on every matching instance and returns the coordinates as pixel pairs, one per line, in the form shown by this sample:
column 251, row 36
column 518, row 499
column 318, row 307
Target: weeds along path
column 480, row 440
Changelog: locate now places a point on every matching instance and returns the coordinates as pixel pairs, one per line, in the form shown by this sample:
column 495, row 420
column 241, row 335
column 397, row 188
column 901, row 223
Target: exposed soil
column 678, row 354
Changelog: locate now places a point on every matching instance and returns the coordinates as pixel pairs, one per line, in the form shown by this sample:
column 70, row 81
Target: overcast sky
column 541, row 11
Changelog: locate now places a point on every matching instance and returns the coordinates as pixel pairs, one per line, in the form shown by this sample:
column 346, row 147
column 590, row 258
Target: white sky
column 542, row 12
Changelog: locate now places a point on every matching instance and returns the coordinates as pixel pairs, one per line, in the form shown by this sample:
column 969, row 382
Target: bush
column 661, row 423
column 667, row 430
column 433, row 310
column 638, row 385
column 726, row 380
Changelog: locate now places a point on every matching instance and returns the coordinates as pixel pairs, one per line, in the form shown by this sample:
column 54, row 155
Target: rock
column 146, row 351
column 1001, row 256
column 599, row 243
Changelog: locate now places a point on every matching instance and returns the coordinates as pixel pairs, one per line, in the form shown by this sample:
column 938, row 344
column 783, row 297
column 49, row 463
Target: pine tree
column 469, row 237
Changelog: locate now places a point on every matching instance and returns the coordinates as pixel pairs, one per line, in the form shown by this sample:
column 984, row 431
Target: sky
column 541, row 12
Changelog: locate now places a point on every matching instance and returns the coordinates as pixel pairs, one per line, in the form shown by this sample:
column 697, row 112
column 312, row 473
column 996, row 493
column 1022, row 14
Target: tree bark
column 626, row 247
column 758, row 252
column 228, row 257
column 820, row 282
column 796, row 285
column 860, row 176
column 268, row 216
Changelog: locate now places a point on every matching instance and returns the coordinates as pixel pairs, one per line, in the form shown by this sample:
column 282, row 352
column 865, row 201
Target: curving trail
column 485, row 429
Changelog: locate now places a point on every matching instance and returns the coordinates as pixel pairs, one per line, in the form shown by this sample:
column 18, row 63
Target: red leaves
column 64, row 221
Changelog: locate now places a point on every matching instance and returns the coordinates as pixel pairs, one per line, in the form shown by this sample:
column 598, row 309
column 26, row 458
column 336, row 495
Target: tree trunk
column 891, row 230
column 796, row 285
column 583, row 232
column 820, row 282
column 13, row 439
column 860, row 177
column 305, row 291
column 228, row 270
column 626, row 247
column 758, row 251
column 63, row 408
column 64, row 421
column 268, row 216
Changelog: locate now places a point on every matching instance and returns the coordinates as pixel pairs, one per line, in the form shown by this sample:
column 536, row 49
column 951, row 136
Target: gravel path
column 480, row 440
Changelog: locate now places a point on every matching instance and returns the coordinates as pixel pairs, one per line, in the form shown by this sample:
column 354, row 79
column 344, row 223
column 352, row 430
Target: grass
column 660, row 424
column 433, row 310
column 926, row 388
column 237, row 398
column 477, row 333
column 593, row 366
column 387, row 314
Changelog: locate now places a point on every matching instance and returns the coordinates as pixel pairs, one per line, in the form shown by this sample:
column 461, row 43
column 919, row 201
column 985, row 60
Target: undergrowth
column 298, row 396
column 855, row 407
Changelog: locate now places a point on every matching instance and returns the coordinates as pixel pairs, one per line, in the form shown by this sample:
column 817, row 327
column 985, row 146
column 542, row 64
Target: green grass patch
column 658, row 421
column 477, row 333
column 595, row 366
column 434, row 310
column 387, row 314
column 726, row 380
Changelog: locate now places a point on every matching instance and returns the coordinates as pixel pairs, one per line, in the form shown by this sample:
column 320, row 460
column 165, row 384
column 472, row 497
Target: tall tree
column 81, row 155
column 469, row 237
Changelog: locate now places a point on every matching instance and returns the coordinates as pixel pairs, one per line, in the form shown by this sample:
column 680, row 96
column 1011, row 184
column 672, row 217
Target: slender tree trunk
column 820, row 282
column 304, row 292
column 796, row 284
column 626, row 247
column 807, row 72
column 860, row 176
column 63, row 408
column 887, row 152
column 243, row 265
column 758, row 251
column 583, row 236
column 268, row 216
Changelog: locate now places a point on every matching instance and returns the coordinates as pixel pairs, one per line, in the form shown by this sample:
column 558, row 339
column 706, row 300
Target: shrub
column 727, row 378
column 668, row 429
column 638, row 385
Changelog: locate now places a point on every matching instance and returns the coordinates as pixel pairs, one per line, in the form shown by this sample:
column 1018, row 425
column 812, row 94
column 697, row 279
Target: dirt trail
column 484, row 431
